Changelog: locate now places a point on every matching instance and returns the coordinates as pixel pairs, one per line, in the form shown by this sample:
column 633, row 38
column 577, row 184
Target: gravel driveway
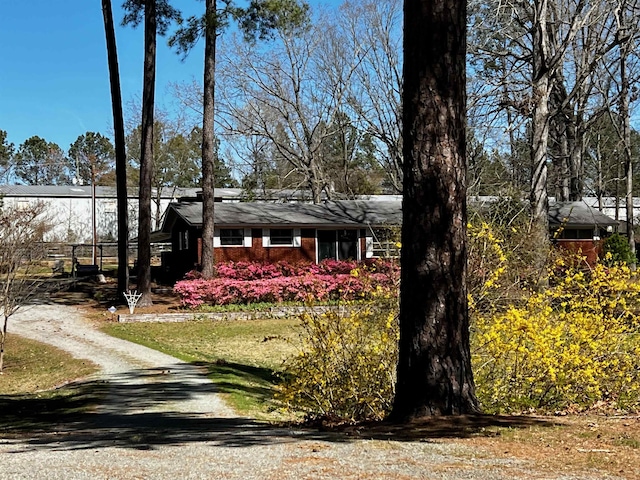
column 162, row 419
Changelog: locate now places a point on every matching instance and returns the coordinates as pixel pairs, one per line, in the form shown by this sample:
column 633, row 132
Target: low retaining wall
column 273, row 312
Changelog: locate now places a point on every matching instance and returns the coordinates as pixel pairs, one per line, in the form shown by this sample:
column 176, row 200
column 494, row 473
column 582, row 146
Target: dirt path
column 162, row 419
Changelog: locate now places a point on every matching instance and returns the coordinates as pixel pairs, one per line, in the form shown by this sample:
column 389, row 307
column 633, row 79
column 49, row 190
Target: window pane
column 281, row 236
column 347, row 244
column 326, row 245
column 231, row 236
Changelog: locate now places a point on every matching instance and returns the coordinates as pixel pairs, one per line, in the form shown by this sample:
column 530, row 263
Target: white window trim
column 246, row 242
column 266, row 239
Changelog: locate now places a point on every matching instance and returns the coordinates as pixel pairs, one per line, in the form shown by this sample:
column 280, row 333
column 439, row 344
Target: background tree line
column 317, row 104
column 90, row 159
column 552, row 89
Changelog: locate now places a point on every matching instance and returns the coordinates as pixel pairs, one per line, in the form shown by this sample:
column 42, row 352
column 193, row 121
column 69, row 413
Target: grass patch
column 31, row 366
column 29, row 399
column 243, row 358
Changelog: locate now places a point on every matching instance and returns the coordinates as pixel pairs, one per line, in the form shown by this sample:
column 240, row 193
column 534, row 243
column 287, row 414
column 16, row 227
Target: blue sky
column 54, row 79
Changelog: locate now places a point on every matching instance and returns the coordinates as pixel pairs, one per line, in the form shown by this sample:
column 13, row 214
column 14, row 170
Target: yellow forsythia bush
column 572, row 345
column 346, row 367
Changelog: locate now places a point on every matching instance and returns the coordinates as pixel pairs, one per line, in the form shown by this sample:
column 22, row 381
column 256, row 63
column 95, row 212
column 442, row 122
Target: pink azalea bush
column 251, row 282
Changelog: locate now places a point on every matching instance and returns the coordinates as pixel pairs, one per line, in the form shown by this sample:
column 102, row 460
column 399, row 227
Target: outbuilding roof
column 335, row 214
column 83, row 191
column 221, row 194
column 578, row 215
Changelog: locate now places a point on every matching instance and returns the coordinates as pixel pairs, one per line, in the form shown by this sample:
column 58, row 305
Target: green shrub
column 620, row 252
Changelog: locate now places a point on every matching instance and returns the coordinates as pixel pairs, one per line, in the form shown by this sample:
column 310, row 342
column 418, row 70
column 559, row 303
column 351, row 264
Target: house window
column 337, row 245
column 231, row 237
column 183, row 240
column 281, row 237
column 576, row 234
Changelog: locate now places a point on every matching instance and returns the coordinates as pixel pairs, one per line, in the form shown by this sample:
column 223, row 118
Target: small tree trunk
column 208, row 140
column 2, row 340
column 575, row 162
column 146, row 157
column 626, row 127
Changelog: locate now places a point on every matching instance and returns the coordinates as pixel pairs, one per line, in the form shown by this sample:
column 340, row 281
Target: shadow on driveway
column 125, row 412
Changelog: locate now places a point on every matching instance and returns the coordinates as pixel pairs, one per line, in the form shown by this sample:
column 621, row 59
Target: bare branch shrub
column 21, row 250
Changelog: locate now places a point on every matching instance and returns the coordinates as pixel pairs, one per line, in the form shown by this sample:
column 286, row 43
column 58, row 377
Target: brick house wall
column 306, row 252
column 591, row 250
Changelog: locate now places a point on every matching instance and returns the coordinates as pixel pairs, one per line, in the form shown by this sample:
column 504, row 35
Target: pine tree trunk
column 208, row 141
column 146, row 157
column 120, row 150
column 434, row 370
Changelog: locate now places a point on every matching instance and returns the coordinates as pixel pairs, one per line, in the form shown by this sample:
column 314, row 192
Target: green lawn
column 29, row 397
column 31, row 366
column 243, row 358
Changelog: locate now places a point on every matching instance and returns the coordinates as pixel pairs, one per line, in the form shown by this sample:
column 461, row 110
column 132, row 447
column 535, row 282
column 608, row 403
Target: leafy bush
column 574, row 344
column 346, row 368
column 618, row 247
column 245, row 282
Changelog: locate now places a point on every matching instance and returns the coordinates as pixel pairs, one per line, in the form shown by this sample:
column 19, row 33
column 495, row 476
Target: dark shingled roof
column 577, row 214
column 355, row 213
column 336, row 214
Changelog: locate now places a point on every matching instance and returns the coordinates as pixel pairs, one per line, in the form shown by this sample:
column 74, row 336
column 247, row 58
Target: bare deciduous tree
column 375, row 88
column 288, row 96
column 21, row 233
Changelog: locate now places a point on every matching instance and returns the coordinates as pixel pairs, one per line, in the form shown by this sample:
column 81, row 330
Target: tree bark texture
column 146, row 157
column 120, row 150
column 434, row 370
column 626, row 138
column 539, row 148
column 208, row 140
